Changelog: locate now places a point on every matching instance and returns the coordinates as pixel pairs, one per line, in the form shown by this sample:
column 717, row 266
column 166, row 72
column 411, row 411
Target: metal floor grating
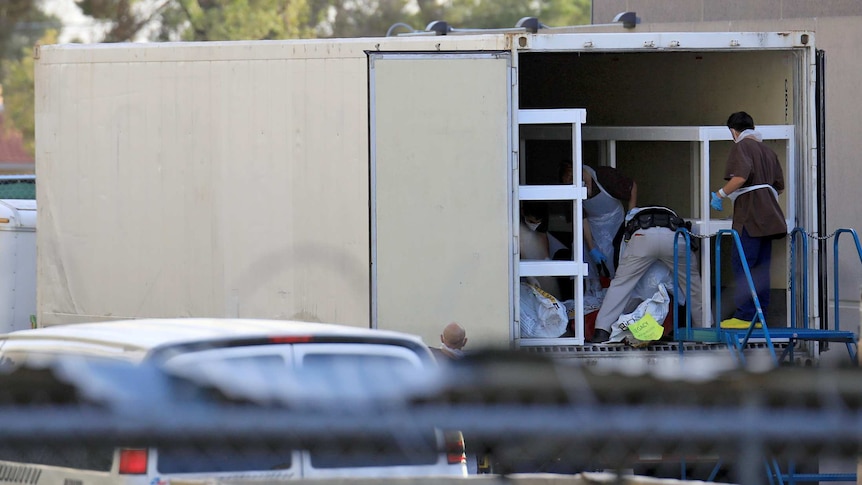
column 669, row 349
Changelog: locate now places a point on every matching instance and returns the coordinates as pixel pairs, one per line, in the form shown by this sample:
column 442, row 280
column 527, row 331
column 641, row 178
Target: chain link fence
column 695, row 418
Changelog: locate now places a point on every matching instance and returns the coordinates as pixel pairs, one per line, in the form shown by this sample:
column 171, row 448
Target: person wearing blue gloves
column 604, row 212
column 754, row 180
column 715, row 202
column 598, row 256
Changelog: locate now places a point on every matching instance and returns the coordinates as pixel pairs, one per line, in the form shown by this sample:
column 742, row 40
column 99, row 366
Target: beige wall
column 838, row 31
column 654, row 11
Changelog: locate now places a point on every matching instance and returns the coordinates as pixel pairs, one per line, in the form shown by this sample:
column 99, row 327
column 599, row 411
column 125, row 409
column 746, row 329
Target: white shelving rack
column 563, row 124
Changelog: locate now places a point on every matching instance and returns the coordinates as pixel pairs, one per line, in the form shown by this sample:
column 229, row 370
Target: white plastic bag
column 657, row 274
column 644, row 324
column 541, row 314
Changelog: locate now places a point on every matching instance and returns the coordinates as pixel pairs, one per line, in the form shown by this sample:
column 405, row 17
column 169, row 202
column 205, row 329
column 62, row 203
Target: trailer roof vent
column 439, row 27
column 530, row 24
column 628, row 19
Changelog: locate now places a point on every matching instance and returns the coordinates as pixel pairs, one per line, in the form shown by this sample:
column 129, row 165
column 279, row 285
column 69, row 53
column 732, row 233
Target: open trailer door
column 441, row 187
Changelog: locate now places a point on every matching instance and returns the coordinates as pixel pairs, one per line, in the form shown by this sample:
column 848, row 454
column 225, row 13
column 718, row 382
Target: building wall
column 838, row 31
column 654, row 11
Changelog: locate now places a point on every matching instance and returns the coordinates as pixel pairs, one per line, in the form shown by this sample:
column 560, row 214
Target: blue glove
column 597, row 256
column 715, row 203
column 632, row 213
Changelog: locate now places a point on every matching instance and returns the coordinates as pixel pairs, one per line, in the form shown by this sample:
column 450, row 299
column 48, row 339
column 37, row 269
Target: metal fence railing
column 517, row 413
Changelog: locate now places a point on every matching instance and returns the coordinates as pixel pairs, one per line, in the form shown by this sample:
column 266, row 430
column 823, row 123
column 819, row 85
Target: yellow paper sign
column 646, row 328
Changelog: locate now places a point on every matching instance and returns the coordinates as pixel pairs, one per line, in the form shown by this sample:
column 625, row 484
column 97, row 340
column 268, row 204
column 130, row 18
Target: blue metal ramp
column 798, row 330
column 738, row 339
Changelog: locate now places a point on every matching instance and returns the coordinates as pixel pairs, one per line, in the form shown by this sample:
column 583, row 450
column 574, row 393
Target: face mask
column 533, row 225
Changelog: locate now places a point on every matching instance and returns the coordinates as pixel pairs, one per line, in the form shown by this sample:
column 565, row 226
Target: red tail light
column 455, row 451
column 133, row 462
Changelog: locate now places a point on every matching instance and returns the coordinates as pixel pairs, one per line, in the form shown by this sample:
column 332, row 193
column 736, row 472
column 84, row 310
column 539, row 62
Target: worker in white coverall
column 604, row 214
column 607, row 189
column 650, row 234
column 536, row 244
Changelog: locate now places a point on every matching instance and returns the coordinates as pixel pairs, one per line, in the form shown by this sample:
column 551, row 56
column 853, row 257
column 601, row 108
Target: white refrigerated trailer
column 17, row 263
column 17, row 252
column 376, row 181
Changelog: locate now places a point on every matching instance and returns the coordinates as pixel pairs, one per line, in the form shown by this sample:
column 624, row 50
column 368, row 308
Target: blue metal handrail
column 689, row 333
column 835, row 262
column 796, row 331
column 791, row 476
column 805, row 311
column 676, row 333
column 759, row 314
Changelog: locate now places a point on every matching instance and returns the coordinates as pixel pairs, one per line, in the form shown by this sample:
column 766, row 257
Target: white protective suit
column 605, row 214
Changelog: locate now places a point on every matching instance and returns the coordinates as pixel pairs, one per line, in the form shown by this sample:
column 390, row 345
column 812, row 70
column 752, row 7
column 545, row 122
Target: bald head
column 454, row 336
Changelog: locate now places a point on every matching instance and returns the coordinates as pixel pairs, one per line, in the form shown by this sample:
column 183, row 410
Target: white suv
column 254, row 351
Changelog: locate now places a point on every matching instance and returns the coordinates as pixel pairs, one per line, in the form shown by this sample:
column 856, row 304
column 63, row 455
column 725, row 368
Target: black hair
column 740, row 121
column 565, row 165
column 535, row 208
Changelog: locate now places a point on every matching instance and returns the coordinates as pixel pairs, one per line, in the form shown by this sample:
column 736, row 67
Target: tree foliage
column 489, row 14
column 245, row 19
column 12, row 14
column 201, row 19
column 126, row 19
column 18, row 92
column 279, row 19
column 21, row 24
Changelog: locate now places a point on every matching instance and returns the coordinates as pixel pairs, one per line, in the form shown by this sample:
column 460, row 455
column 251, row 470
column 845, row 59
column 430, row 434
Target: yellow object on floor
column 739, row 324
